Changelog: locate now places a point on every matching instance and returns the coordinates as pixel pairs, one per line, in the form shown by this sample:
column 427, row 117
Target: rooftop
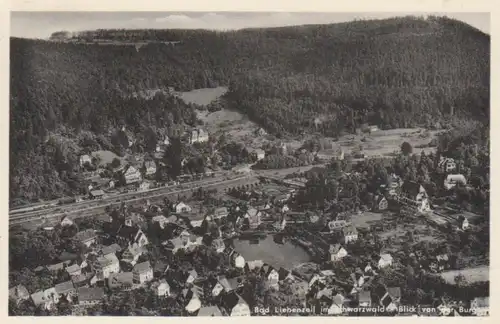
column 142, row 267
column 90, row 294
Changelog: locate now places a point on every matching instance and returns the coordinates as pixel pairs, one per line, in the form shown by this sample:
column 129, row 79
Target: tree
column 116, row 163
column 406, row 148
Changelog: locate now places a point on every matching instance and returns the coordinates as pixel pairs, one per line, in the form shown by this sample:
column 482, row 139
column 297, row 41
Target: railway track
column 99, row 207
column 136, row 194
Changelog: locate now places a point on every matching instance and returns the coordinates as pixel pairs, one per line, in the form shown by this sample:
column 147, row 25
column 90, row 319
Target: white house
column 181, row 207
column 150, row 168
column 337, row 252
column 143, row 272
column 198, row 136
column 272, row 277
column 106, row 265
column 447, row 164
column 196, row 220
column 47, row 299
column 453, row 179
column 161, row 288
column 132, row 175
column 336, row 224
column 259, row 153
column 238, row 260
column 463, row 223
column 66, row 221
column 350, row 234
column 385, row 260
column 85, row 159
column 415, row 196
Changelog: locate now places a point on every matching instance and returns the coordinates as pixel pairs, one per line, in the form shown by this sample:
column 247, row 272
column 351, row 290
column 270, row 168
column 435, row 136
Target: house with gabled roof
column 161, row 288
column 271, row 275
column 19, row 293
column 193, row 298
column 253, row 216
column 161, row 220
column 198, row 136
column 336, row 306
column 337, row 252
column 131, row 175
column 217, row 213
column 86, row 237
column 54, row 268
column 97, row 194
column 209, row 311
column 46, row 299
column 234, row 305
column 143, row 272
column 350, row 234
column 391, row 299
column 106, row 265
column 90, row 296
column 218, row 245
column 66, row 221
column 285, row 275
column 255, row 264
column 181, row 207
column 385, row 260
column 150, row 167
column 85, row 159
column 447, row 164
column 131, row 236
column 454, row 179
column 132, row 254
column 110, row 249
column 123, row 281
column 66, row 289
column 415, row 196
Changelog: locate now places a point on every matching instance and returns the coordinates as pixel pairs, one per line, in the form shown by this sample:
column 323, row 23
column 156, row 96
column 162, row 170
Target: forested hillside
column 331, row 78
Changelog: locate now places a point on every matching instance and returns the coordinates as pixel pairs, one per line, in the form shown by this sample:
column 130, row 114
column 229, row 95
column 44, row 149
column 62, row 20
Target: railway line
column 144, row 194
column 96, row 208
column 51, row 210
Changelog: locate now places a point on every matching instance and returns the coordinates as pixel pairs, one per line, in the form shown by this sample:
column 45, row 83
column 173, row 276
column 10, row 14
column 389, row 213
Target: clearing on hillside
column 203, row 96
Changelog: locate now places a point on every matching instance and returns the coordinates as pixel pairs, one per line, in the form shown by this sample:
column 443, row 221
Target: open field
column 385, row 142
column 471, row 274
column 234, row 125
column 388, row 227
column 105, row 157
column 379, row 143
column 366, row 219
column 203, row 96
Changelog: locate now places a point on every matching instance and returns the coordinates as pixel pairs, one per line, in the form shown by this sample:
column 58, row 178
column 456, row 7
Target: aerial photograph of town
column 249, row 164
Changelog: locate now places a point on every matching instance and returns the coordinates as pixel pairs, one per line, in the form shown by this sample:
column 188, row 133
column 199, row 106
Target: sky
column 42, row 24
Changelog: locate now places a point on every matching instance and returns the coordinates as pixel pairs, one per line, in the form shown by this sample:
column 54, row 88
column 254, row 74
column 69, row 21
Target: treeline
column 394, row 73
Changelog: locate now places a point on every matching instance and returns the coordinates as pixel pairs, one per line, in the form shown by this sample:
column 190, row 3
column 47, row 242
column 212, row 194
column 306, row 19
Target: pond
column 286, row 255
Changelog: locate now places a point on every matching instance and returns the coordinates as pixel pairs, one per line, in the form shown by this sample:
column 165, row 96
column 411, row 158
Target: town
column 363, row 235
column 320, row 167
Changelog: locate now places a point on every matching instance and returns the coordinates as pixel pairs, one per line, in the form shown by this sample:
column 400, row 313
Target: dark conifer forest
column 400, row 72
